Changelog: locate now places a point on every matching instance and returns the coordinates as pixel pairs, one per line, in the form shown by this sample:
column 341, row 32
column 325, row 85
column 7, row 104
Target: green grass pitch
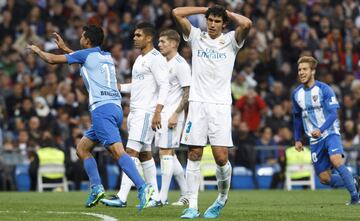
column 242, row 205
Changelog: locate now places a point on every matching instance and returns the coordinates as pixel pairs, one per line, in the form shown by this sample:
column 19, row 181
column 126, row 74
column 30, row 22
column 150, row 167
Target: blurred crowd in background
column 46, row 105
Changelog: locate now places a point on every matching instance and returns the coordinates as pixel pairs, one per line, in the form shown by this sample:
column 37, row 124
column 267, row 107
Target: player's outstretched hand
column 59, row 41
column 298, row 146
column 156, row 121
column 316, row 133
column 33, row 48
column 173, row 121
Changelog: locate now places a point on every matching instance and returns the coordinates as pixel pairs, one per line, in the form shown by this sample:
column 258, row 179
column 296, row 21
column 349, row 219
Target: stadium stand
column 37, row 97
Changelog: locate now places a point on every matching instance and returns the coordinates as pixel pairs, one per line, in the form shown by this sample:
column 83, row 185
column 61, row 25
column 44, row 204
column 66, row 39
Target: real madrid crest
column 203, row 35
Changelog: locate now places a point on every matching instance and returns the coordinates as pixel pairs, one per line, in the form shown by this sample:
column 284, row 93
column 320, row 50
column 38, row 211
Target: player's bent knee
column 145, row 156
column 132, row 153
column 82, row 153
column 166, row 151
column 324, row 178
column 221, row 161
column 194, row 156
column 116, row 150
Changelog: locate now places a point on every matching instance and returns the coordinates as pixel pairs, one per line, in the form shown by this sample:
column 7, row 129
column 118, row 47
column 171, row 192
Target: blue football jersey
column 314, row 105
column 98, row 73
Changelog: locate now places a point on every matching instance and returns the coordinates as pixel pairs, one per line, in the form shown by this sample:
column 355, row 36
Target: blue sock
column 336, row 181
column 92, row 171
column 348, row 181
column 129, row 168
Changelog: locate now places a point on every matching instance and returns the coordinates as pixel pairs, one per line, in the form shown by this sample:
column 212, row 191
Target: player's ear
column 87, row 41
column 149, row 38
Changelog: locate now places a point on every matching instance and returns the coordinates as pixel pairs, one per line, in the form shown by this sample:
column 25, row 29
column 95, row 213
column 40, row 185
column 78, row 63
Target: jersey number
column 314, row 157
column 108, row 70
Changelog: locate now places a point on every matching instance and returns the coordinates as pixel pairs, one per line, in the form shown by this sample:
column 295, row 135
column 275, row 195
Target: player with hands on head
column 209, row 117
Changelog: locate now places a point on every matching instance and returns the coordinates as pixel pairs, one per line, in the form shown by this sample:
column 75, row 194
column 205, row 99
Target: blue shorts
column 321, row 152
column 106, row 122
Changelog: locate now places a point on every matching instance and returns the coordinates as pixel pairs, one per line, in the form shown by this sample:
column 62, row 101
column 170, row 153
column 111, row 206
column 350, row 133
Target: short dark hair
column 171, row 34
column 95, row 34
column 217, row 10
column 147, row 28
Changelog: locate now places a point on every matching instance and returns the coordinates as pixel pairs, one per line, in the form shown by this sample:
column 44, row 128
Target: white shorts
column 168, row 138
column 138, row 146
column 139, row 127
column 207, row 120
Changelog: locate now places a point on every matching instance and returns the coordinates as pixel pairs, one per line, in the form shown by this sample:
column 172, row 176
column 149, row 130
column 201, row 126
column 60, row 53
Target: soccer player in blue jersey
column 98, row 72
column 314, row 109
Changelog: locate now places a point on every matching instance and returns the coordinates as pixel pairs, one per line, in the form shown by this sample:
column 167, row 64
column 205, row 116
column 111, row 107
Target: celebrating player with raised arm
column 148, row 91
column 314, row 109
column 98, row 72
column 209, row 117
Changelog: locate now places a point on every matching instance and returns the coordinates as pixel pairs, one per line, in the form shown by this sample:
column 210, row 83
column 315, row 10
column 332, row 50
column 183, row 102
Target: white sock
column 180, row 176
column 193, row 182
column 223, row 177
column 126, row 183
column 167, row 169
column 150, row 176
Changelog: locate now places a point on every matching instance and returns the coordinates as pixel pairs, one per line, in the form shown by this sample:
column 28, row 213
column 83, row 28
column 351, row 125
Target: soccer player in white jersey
column 209, row 117
column 98, row 72
column 173, row 116
column 314, row 109
column 148, row 91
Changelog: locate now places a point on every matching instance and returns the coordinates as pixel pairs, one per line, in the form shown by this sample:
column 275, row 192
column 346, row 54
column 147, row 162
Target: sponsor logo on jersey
column 211, row 54
column 109, row 93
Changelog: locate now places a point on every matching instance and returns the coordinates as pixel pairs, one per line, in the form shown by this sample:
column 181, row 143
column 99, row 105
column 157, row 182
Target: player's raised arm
column 48, row 57
column 243, row 25
column 180, row 15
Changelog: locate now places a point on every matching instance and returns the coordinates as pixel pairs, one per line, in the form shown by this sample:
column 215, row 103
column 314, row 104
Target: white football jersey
column 179, row 76
column 150, row 82
column 212, row 66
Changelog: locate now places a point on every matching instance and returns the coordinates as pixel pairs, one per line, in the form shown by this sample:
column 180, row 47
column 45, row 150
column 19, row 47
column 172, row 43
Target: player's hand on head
column 228, row 13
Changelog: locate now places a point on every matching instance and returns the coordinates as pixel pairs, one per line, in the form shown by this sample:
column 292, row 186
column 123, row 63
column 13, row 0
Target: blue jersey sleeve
column 329, row 97
column 77, row 57
column 295, row 106
column 296, row 110
column 329, row 120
